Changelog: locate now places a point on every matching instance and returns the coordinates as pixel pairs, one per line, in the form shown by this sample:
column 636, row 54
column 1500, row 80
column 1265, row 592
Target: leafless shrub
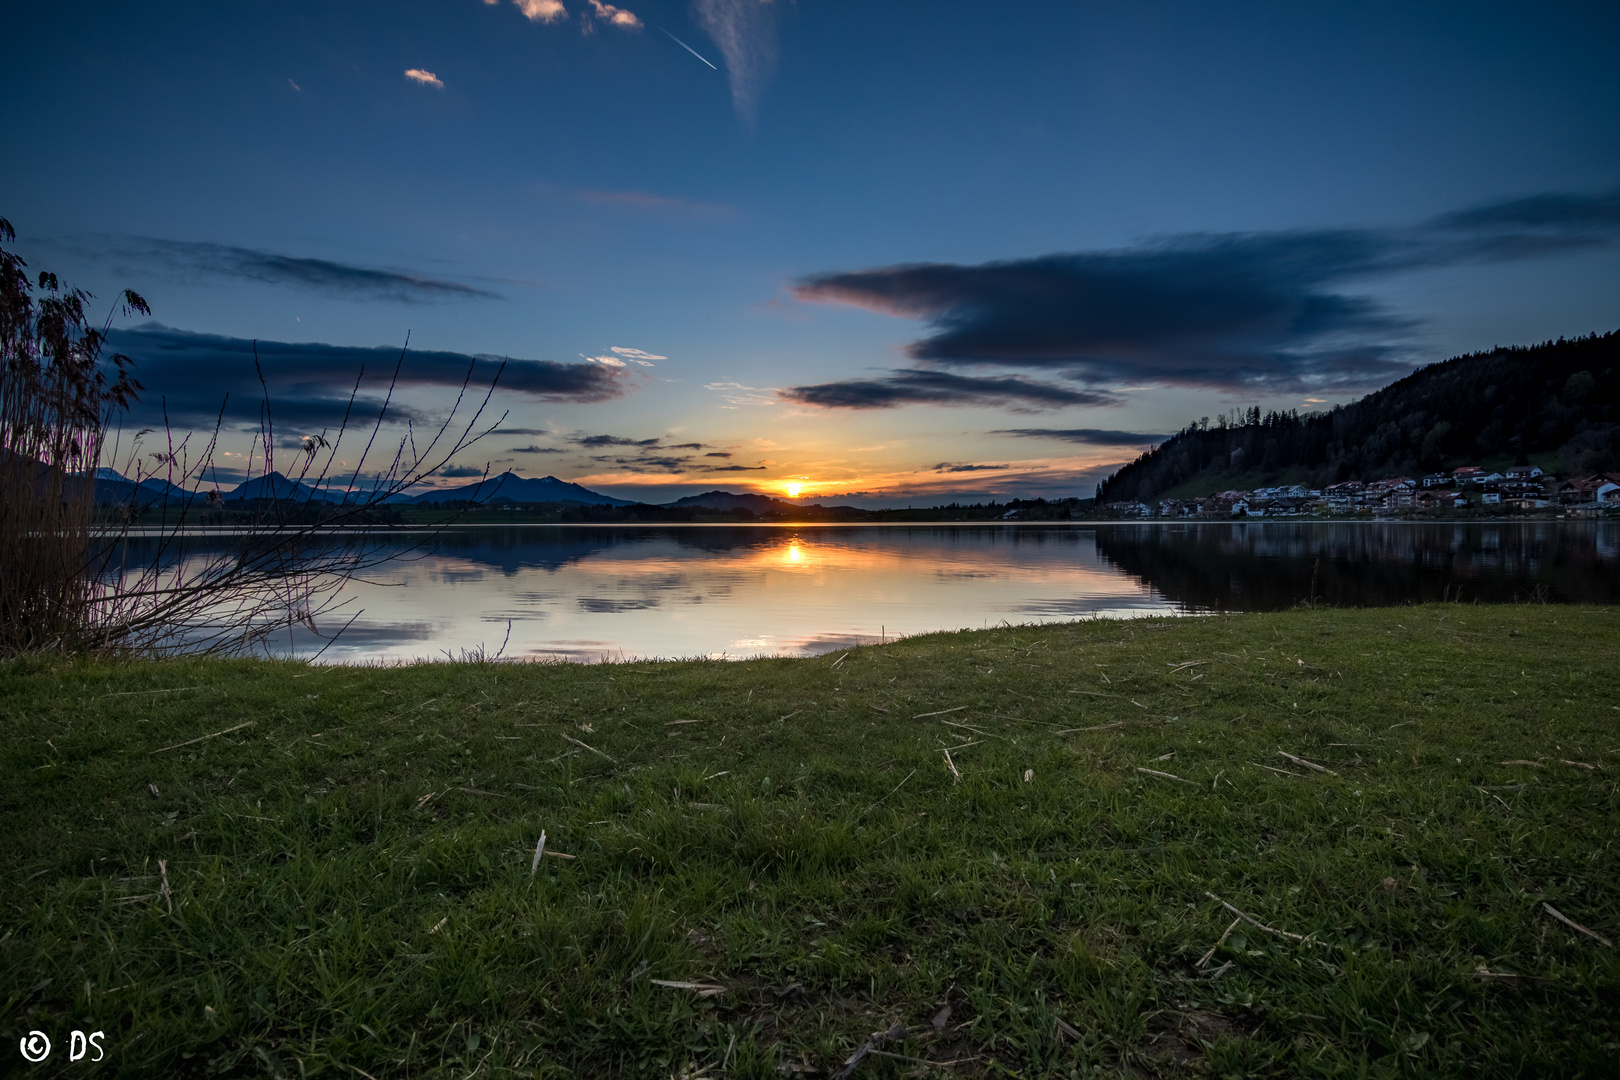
column 202, row 577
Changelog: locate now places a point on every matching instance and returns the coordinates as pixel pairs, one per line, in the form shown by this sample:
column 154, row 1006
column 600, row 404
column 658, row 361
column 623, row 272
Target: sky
column 883, row 254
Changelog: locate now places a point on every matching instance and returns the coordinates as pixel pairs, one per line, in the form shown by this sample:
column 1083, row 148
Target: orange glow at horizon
column 841, row 478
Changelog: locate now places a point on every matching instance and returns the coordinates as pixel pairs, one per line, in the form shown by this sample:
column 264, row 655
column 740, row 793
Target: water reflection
column 1267, row 567
column 595, row 592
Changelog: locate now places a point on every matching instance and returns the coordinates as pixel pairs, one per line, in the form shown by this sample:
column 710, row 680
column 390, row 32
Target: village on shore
column 1470, row 489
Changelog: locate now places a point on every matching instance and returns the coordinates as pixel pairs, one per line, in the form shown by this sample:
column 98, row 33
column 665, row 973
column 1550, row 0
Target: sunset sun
column 793, row 490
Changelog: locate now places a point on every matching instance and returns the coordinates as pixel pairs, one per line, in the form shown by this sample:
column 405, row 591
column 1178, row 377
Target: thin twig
column 923, row 1061
column 1258, row 925
column 1307, row 764
column 200, row 738
column 941, row 712
column 952, row 764
column 1210, row 955
column 970, row 727
column 877, row 1039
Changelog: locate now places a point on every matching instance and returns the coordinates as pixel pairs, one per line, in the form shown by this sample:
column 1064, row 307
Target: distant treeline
column 644, row 514
column 1560, row 398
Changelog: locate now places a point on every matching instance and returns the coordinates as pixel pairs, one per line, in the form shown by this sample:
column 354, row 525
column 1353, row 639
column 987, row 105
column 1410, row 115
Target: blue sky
column 1184, row 208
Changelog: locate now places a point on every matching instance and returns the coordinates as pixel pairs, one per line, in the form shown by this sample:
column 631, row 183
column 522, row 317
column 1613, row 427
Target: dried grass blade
column 1167, row 776
column 592, row 749
column 1555, row 913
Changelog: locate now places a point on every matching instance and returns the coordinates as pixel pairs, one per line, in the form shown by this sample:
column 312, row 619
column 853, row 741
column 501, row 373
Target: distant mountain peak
column 510, row 487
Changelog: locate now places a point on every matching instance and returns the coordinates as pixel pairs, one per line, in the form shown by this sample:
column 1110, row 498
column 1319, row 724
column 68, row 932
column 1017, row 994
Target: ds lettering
column 79, row 1044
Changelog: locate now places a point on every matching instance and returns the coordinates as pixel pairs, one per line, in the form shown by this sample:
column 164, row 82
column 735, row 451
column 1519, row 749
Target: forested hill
column 1559, row 402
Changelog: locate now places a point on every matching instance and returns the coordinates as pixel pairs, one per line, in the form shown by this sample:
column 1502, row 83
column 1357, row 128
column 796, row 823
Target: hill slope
column 510, row 487
column 726, row 500
column 1559, row 399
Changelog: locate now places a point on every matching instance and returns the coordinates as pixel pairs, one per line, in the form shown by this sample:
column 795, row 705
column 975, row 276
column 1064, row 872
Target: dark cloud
column 610, row 440
column 655, row 463
column 1224, row 311
column 930, row 387
column 654, row 454
column 1522, row 228
column 316, row 275
column 194, row 375
column 520, row 431
column 1087, row 436
column 597, row 442
column 717, row 453
column 535, row 450
column 460, row 470
column 948, row 467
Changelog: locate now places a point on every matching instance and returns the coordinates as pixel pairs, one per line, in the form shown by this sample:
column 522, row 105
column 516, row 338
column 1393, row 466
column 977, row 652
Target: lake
column 589, row 593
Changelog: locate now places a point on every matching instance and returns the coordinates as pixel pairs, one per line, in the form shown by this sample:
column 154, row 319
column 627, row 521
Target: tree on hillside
column 1561, row 397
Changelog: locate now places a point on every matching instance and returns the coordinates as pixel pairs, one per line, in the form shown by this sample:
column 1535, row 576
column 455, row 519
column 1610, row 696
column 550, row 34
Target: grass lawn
column 770, row 861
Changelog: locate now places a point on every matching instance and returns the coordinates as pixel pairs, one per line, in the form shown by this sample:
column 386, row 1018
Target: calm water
column 592, row 592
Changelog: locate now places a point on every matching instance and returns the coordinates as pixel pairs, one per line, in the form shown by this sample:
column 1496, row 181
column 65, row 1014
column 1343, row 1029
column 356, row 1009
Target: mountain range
column 114, row 487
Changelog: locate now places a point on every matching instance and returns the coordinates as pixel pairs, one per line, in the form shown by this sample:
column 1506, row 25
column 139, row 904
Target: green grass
column 349, row 886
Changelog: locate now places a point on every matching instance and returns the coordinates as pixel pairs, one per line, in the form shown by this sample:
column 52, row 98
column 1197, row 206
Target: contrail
column 687, row 47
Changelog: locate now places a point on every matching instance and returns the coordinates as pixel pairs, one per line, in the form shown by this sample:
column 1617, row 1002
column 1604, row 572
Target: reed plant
column 56, row 401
